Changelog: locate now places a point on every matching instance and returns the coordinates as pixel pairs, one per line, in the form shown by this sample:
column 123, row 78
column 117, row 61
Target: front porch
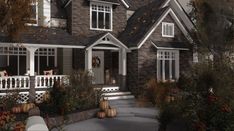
column 34, row 68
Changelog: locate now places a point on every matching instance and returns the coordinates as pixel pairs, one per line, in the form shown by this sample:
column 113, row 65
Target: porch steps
column 118, row 95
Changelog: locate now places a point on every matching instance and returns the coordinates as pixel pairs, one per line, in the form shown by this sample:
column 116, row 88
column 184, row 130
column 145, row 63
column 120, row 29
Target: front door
column 98, row 67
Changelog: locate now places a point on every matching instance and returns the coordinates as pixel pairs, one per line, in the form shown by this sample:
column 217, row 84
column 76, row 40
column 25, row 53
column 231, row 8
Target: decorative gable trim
column 125, row 3
column 180, row 25
column 115, row 42
column 165, row 3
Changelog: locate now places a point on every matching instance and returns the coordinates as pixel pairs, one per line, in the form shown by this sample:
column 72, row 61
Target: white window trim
column 173, row 29
column 177, row 64
column 30, row 24
column 111, row 16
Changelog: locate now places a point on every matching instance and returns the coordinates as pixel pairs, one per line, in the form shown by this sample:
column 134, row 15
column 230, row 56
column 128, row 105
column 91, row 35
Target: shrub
column 159, row 92
column 208, row 97
column 78, row 95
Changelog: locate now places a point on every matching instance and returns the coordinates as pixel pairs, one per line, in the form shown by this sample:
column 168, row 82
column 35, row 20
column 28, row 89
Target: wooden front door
column 98, row 67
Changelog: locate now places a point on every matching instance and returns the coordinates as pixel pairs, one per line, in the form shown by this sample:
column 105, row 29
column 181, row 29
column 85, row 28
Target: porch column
column 123, row 62
column 32, row 91
column 122, row 68
column 88, row 60
column 32, row 51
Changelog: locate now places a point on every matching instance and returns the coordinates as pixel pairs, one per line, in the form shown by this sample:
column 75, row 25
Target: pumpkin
column 27, row 107
column 101, row 114
column 19, row 127
column 104, row 104
column 111, row 112
column 46, row 96
column 16, row 109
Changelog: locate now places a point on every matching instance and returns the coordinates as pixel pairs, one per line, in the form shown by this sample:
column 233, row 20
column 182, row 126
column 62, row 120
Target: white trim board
column 125, row 3
column 159, row 21
column 167, row 48
column 118, row 44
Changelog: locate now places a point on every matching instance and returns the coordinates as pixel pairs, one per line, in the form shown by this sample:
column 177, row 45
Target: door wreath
column 96, row 62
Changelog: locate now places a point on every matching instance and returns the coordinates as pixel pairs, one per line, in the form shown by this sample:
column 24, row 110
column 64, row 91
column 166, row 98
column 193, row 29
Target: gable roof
column 136, row 4
column 116, row 2
column 145, row 20
column 141, row 22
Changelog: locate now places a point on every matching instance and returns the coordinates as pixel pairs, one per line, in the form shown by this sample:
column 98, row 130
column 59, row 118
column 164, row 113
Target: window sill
column 168, row 36
column 95, row 29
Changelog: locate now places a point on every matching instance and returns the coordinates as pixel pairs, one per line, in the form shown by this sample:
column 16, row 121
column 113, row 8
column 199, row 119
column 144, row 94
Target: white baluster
column 16, row 81
column 44, row 82
column 5, row 84
column 10, row 80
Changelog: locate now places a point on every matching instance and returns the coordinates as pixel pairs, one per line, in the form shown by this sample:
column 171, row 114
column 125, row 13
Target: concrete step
column 116, row 93
column 119, row 97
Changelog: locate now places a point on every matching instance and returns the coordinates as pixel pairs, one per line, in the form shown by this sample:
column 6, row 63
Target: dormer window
column 167, row 29
column 100, row 16
column 34, row 14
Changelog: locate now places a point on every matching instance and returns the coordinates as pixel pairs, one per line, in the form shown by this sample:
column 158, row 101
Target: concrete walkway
column 130, row 118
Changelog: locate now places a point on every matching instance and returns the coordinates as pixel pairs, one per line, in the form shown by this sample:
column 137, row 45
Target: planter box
column 71, row 118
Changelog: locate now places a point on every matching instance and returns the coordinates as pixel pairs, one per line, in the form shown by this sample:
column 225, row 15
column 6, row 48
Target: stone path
column 130, row 118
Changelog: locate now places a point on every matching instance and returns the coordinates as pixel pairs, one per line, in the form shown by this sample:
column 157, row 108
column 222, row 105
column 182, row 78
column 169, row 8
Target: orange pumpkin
column 101, row 114
column 16, row 109
column 104, row 104
column 111, row 112
column 27, row 107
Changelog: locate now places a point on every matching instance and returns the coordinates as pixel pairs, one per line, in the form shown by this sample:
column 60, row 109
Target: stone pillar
column 32, row 91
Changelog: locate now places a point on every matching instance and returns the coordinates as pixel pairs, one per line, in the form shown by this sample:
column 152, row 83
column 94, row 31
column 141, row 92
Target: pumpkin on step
column 101, row 114
column 111, row 112
column 104, row 104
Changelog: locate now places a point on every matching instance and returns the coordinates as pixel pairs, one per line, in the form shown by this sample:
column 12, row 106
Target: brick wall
column 142, row 64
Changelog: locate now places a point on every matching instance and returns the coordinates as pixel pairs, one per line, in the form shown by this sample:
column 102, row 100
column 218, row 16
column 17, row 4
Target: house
column 123, row 43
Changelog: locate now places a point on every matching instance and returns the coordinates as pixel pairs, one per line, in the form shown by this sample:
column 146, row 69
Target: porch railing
column 47, row 81
column 14, row 82
column 22, row 83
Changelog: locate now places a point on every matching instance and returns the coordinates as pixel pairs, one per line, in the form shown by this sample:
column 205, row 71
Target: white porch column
column 120, row 62
column 123, row 62
column 88, row 60
column 32, row 51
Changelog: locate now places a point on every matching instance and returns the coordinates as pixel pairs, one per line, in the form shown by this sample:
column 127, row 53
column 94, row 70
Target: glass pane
column 43, row 64
column 173, row 69
column 22, row 65
column 3, row 61
column 34, row 11
column 167, row 76
column 107, row 26
column 94, row 19
column 13, row 65
column 51, row 61
column 101, row 20
column 160, row 70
